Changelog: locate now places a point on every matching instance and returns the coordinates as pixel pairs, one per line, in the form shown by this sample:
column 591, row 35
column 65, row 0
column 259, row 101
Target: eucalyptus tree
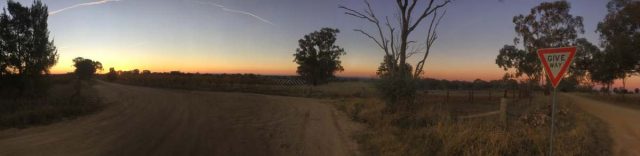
column 547, row 25
column 620, row 35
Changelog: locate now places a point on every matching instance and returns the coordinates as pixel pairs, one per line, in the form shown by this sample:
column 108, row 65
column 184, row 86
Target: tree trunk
column 624, row 87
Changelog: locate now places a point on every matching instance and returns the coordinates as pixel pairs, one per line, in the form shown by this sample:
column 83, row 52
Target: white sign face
column 556, row 61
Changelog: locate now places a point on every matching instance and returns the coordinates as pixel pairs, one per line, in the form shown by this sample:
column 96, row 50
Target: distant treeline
column 248, row 78
column 221, row 79
column 478, row 84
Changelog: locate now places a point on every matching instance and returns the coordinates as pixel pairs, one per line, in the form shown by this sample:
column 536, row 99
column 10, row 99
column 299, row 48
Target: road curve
column 148, row 121
column 623, row 122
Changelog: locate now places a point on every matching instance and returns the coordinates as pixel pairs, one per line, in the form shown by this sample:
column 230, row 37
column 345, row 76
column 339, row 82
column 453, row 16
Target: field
column 249, row 83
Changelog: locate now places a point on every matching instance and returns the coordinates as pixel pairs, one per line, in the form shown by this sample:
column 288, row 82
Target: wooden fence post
column 503, row 111
column 447, row 100
column 471, row 96
column 506, row 91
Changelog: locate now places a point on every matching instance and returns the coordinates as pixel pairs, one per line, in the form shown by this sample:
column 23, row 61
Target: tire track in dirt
column 148, row 121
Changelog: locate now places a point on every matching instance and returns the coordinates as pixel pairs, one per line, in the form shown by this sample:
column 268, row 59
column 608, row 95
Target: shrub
column 397, row 85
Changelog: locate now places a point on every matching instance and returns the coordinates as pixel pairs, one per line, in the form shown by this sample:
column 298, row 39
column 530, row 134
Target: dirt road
column 624, row 123
column 148, row 121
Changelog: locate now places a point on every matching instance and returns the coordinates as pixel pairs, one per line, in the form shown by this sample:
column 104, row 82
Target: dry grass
column 59, row 104
column 433, row 129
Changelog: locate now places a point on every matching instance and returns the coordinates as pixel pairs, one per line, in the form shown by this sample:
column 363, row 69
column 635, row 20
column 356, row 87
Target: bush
column 398, row 87
column 397, row 91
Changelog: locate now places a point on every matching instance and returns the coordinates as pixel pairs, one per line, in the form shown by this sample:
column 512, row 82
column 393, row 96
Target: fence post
column 489, row 94
column 503, row 111
column 447, row 100
column 506, row 91
column 471, row 96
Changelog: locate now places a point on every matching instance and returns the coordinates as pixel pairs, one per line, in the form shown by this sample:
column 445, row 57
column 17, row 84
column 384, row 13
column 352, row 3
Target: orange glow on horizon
column 267, row 71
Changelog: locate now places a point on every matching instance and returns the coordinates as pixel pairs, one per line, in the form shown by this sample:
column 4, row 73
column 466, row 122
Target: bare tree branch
column 428, row 11
column 431, row 38
column 371, row 37
column 392, row 34
column 369, row 15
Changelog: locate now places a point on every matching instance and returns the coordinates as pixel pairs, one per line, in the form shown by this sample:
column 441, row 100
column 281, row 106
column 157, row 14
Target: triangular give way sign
column 556, row 62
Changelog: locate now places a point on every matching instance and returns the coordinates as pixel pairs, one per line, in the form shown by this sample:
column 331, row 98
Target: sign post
column 556, row 62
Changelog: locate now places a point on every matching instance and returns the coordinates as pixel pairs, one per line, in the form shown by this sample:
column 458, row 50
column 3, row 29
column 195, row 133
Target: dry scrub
column 60, row 103
column 434, row 130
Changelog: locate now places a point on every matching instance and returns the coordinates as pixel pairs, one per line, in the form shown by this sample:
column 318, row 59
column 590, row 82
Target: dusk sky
column 260, row 36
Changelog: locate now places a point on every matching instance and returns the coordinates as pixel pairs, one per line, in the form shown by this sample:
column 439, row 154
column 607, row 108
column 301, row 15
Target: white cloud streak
column 236, row 11
column 81, row 5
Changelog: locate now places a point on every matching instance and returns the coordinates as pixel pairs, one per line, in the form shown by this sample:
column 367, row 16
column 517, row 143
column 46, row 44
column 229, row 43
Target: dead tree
column 395, row 43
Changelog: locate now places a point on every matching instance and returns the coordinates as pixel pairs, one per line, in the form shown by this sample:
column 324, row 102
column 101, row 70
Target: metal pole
column 553, row 114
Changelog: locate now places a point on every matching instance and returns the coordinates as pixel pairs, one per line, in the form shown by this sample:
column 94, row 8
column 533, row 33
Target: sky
column 260, row 36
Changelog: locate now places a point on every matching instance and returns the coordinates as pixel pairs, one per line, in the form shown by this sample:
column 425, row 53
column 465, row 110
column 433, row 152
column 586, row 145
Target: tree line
column 550, row 25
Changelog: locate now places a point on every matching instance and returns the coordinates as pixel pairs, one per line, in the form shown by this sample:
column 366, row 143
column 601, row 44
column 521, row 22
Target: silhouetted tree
column 605, row 70
column 146, row 72
column 548, row 25
column 5, row 42
column 398, row 79
column 112, row 75
column 510, row 57
column 620, row 35
column 583, row 60
column 318, row 57
column 25, row 48
column 86, row 68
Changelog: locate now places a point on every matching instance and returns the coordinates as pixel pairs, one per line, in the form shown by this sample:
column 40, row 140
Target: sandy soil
column 148, row 121
column 624, row 123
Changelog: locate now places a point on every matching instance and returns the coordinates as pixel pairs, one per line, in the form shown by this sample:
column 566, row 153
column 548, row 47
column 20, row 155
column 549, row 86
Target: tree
column 86, row 68
column 510, row 57
column 547, row 25
column 583, row 60
column 606, row 71
column 397, row 75
column 25, row 48
column 112, row 75
column 317, row 56
column 5, row 35
column 620, row 35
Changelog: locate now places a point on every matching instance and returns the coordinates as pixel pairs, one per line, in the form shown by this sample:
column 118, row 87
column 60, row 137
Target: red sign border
column 555, row 79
